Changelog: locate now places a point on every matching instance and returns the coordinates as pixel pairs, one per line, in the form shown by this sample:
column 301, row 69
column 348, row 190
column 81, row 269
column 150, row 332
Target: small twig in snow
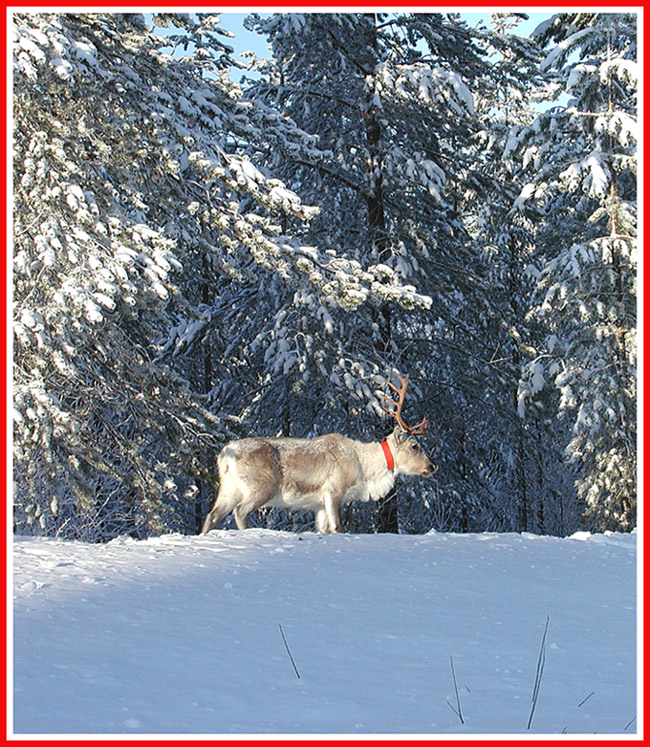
column 458, row 712
column 629, row 723
column 541, row 660
column 286, row 645
column 454, row 710
column 582, row 702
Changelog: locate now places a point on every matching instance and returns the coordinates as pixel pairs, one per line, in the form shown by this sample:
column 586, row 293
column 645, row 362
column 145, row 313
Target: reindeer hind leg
column 214, row 517
column 226, row 501
column 257, row 499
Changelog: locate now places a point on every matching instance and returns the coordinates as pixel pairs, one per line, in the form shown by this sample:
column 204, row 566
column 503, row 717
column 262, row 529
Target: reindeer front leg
column 332, row 510
column 322, row 525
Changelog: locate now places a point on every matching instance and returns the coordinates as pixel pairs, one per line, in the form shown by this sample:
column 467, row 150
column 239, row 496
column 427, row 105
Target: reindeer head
column 407, row 454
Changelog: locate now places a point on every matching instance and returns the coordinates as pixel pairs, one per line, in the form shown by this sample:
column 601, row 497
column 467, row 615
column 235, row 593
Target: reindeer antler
column 396, row 410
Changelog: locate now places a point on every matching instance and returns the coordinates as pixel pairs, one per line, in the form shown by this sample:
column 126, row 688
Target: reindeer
column 317, row 474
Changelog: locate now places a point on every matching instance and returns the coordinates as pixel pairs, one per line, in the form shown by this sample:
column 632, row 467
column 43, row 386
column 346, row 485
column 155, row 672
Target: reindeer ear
column 400, row 435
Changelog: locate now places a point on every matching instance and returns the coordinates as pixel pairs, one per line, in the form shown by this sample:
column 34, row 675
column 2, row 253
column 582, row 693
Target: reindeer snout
column 431, row 469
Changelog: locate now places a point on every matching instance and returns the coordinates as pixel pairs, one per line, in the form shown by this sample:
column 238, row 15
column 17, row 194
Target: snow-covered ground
column 181, row 635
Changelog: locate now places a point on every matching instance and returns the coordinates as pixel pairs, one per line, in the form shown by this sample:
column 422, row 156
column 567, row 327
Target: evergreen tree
column 389, row 97
column 517, row 460
column 581, row 160
column 196, row 259
column 134, row 206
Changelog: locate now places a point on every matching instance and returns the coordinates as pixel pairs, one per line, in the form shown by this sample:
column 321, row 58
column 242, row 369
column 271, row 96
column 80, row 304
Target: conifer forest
column 206, row 249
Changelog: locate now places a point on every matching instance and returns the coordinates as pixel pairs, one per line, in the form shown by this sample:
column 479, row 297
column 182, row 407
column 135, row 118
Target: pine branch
column 359, row 189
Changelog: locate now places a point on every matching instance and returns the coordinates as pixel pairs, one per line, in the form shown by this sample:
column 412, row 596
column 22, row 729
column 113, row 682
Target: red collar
column 390, row 462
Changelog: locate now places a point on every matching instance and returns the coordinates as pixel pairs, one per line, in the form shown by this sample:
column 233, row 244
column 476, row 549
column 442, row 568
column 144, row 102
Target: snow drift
column 433, row 634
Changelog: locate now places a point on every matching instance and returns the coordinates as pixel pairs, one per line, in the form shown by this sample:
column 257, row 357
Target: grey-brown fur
column 318, row 474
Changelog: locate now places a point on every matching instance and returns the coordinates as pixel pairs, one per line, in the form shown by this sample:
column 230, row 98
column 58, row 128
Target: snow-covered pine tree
column 389, row 97
column 134, row 205
column 99, row 430
column 517, row 461
column 581, row 161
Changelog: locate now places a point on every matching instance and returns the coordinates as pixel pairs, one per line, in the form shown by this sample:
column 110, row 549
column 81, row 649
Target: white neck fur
column 379, row 480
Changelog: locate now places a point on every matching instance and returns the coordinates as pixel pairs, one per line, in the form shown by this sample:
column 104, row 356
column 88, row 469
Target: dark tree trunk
column 206, row 491
column 522, row 484
column 386, row 519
